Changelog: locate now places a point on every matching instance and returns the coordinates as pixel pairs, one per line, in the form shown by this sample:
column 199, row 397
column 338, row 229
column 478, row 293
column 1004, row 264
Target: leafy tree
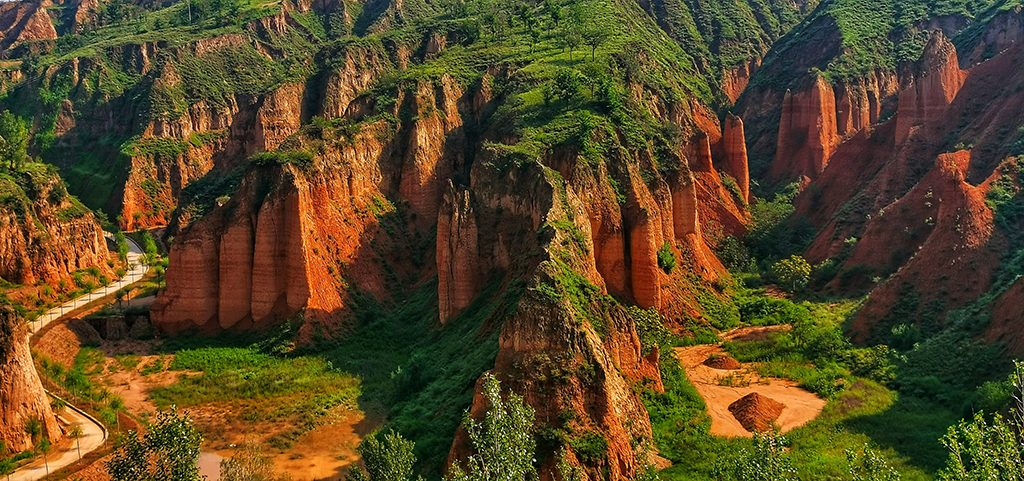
column 666, row 258
column 6, row 468
column 169, row 451
column 44, row 446
column 75, row 432
column 387, row 457
column 568, row 84
column 570, row 37
column 6, row 465
column 34, row 428
column 793, row 272
column 767, row 460
column 248, row 464
column 991, row 451
column 594, row 36
column 13, row 140
column 870, row 466
column 503, row 442
column 555, row 12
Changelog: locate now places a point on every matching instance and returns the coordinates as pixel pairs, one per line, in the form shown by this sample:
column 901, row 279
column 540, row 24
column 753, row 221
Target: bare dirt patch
column 721, row 388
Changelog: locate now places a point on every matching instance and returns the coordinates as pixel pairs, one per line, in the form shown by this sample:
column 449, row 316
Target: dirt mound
column 756, row 412
column 716, row 361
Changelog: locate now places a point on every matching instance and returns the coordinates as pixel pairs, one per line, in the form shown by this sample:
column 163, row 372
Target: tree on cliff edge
column 503, row 442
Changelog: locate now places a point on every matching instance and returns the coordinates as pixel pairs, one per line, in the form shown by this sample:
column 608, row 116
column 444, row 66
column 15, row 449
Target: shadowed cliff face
column 875, row 156
column 21, row 393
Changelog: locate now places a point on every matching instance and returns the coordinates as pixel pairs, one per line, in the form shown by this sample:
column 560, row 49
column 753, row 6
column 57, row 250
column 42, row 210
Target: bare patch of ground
column 721, row 388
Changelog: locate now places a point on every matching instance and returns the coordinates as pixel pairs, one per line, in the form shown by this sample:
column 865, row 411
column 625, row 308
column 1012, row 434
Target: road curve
column 137, row 269
column 94, row 434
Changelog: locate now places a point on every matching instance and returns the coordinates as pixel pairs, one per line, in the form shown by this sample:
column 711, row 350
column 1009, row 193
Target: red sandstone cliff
column 21, row 393
column 948, row 230
column 458, row 256
column 25, row 22
column 808, row 133
column 48, row 235
column 928, row 92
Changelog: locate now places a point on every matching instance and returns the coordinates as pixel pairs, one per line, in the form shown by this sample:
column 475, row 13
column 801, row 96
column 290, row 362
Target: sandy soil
column 324, row 453
column 801, row 405
column 134, row 387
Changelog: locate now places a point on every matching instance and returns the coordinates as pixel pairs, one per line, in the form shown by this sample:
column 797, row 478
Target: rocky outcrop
column 435, row 146
column 25, row 22
column 928, row 92
column 21, row 393
column 278, row 247
column 944, row 224
column 156, row 181
column 277, row 117
column 735, row 79
column 44, row 233
column 1003, row 32
column 545, row 336
column 458, row 256
column 807, row 132
column 358, row 71
column 734, row 149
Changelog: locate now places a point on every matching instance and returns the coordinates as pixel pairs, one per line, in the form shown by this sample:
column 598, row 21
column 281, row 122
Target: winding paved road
column 93, row 436
column 93, row 432
column 137, row 269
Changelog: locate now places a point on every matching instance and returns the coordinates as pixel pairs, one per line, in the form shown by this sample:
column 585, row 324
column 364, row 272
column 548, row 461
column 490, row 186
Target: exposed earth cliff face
column 905, row 165
column 44, row 233
column 301, row 237
column 21, row 394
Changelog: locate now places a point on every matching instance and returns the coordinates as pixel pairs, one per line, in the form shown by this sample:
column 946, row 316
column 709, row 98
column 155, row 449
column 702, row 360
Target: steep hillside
column 905, row 142
column 553, row 185
column 46, row 234
column 729, row 38
column 20, row 389
column 860, row 48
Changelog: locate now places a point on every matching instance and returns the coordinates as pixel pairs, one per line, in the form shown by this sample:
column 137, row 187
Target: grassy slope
column 876, row 34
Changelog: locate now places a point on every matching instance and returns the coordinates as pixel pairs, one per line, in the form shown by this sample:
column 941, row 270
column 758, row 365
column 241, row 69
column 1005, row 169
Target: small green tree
column 571, row 38
column 34, row 428
column 870, row 466
column 387, row 457
column 594, row 36
column 13, row 140
column 248, row 464
column 6, row 465
column 6, row 468
column 568, row 84
column 666, row 258
column 44, row 447
column 503, row 442
column 766, row 460
column 75, row 432
column 793, row 272
column 988, row 450
column 169, row 451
